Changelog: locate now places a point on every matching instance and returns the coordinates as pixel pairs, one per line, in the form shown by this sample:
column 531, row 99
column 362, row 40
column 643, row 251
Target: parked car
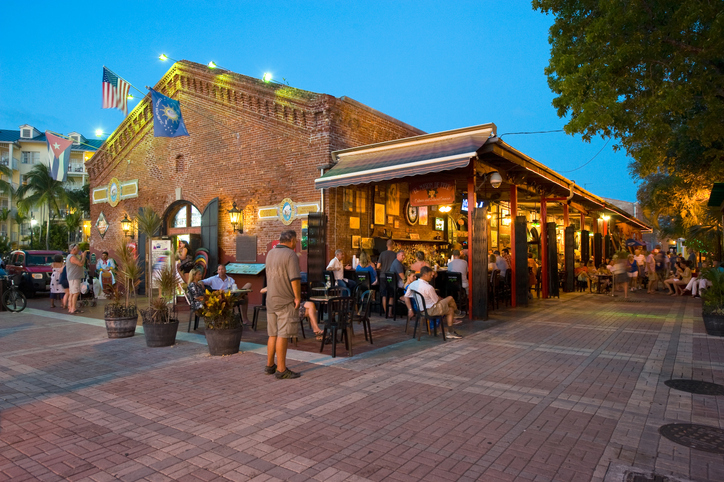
column 32, row 269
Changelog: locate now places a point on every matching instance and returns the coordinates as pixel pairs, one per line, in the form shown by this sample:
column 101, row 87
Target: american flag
column 115, row 92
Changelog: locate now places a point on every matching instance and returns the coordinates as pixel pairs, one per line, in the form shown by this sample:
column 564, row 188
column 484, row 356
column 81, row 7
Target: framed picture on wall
column 356, row 241
column 348, row 202
column 397, row 223
column 380, row 214
column 422, row 215
column 390, row 220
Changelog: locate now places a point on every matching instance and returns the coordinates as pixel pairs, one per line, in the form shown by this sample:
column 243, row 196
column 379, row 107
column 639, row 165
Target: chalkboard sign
column 246, row 249
column 245, row 268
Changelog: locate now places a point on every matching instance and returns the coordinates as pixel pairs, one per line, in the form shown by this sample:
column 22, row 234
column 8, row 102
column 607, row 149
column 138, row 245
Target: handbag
column 63, row 279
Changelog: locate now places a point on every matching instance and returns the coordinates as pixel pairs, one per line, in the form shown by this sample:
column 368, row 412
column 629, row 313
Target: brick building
column 252, row 143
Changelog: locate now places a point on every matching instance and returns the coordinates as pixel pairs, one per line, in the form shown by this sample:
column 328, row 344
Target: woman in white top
column 57, row 292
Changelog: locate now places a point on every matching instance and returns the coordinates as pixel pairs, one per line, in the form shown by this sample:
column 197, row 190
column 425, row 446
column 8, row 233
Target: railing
column 75, row 168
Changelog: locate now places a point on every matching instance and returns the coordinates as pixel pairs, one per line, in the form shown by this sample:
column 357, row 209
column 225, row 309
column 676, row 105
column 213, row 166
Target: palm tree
column 43, row 190
column 19, row 219
column 72, row 222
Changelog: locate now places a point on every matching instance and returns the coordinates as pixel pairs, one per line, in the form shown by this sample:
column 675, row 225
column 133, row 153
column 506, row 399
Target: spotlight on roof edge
column 212, row 65
column 267, row 77
column 99, row 132
column 163, row 57
column 129, row 97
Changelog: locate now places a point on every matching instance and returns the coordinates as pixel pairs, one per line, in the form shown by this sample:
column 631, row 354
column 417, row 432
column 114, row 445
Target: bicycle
column 13, row 299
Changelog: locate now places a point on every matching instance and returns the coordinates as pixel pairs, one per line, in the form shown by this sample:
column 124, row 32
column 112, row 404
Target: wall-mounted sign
column 115, row 192
column 432, row 193
column 102, row 225
column 287, row 211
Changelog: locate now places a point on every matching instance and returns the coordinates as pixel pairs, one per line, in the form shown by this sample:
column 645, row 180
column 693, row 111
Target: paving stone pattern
column 569, row 389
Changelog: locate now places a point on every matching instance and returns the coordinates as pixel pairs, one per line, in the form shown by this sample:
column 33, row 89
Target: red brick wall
column 250, row 142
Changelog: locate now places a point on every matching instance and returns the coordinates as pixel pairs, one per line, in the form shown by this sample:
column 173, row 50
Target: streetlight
column 127, row 226
column 236, row 217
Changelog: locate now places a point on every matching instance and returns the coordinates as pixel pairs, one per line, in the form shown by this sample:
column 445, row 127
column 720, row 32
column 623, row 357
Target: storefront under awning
column 415, row 156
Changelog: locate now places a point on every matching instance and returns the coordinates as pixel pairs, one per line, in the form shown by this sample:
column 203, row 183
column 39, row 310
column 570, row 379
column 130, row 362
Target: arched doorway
column 182, row 220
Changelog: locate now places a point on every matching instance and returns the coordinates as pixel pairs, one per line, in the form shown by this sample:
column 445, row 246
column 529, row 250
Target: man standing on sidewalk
column 74, row 268
column 284, row 294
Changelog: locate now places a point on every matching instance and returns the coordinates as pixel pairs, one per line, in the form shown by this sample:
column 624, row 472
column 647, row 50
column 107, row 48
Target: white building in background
column 20, row 150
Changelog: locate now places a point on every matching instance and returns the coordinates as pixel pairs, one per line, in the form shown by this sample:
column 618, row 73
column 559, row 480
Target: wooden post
column 472, row 202
column 569, row 245
column 583, row 221
column 544, row 247
column 521, row 260
column 513, row 253
column 565, row 216
column 479, row 267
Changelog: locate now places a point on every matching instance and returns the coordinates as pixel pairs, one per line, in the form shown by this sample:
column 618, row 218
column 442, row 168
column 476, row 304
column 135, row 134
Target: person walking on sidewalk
column 283, row 297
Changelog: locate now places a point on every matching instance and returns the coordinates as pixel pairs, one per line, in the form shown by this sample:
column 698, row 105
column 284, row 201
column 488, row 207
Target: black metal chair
column 504, row 289
column 192, row 313
column 420, row 309
column 454, row 284
column 361, row 313
column 493, row 288
column 257, row 309
column 392, row 286
column 339, row 318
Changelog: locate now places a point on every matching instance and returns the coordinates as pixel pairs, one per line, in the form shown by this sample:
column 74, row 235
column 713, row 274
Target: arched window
column 187, row 216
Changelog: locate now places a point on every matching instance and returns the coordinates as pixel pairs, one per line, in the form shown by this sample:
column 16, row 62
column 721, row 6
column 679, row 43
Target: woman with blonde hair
column 366, row 265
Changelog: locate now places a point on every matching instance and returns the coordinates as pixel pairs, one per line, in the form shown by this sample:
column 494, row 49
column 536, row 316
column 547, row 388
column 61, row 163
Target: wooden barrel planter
column 160, row 334
column 224, row 341
column 122, row 327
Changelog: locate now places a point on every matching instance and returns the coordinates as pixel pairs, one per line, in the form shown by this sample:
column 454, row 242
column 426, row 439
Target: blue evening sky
column 436, row 65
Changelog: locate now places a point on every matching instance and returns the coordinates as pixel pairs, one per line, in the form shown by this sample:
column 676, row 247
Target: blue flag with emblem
column 167, row 120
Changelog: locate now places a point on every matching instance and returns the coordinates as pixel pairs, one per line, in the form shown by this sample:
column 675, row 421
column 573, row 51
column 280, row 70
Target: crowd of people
column 646, row 270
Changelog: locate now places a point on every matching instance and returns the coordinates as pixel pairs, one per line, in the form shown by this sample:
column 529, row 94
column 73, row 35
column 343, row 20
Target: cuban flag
column 58, row 156
column 167, row 120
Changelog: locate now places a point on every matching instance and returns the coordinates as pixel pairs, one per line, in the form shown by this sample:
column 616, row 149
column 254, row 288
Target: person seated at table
column 226, row 283
column 435, row 305
column 308, row 309
column 492, row 263
column 581, row 273
column 398, row 268
column 500, row 263
column 604, row 277
column 105, row 268
column 681, row 279
column 592, row 274
column 458, row 265
column 336, row 267
column 417, row 265
column 196, row 289
column 410, row 277
column 697, row 283
column 366, row 265
column 532, row 272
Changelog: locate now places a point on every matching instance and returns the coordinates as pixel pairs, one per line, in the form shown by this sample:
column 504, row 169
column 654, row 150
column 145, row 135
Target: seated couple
column 435, row 305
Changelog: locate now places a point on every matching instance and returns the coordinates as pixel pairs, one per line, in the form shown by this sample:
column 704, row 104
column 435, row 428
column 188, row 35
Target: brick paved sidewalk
column 569, row 389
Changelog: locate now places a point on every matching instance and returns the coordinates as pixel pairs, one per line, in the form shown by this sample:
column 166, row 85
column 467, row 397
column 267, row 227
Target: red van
column 33, row 268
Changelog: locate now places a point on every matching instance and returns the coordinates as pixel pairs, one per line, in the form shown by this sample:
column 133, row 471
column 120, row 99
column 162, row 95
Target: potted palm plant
column 713, row 298
column 159, row 326
column 149, row 223
column 121, row 314
column 223, row 329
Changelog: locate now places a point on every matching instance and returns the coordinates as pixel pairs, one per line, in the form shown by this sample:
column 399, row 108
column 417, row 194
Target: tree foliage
column 649, row 73
column 42, row 190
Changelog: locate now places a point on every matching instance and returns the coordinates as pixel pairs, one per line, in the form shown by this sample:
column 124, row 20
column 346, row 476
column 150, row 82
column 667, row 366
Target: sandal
column 77, row 311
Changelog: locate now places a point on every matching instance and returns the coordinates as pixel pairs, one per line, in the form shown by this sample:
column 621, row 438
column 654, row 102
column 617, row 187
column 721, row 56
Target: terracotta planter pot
column 223, row 342
column 160, row 334
column 714, row 324
column 123, row 327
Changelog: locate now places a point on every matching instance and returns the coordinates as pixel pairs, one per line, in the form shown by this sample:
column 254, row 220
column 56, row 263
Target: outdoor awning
column 412, row 156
